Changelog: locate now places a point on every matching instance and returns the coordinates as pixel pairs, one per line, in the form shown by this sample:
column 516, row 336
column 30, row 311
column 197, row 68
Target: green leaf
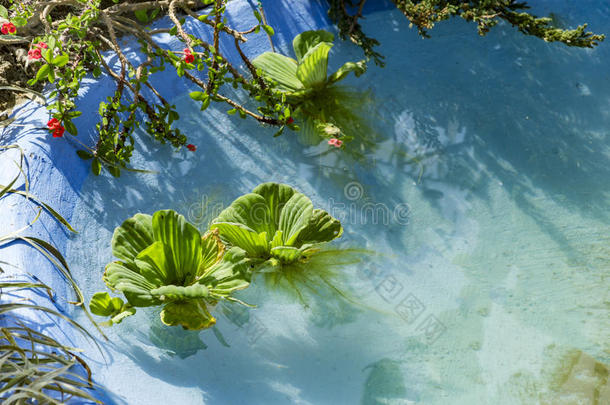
column 19, row 21
column 276, row 196
column 3, row 12
column 125, row 277
column 212, row 251
column 322, row 227
column 115, row 171
column 279, row 68
column 232, row 273
column 83, row 154
column 96, row 166
column 275, row 216
column 182, row 243
column 305, row 41
column 133, row 236
column 43, row 71
column 193, row 315
column 286, row 254
column 269, row 30
column 294, row 217
column 357, row 67
column 198, row 95
column 154, row 265
column 255, row 244
column 122, row 315
column 141, row 15
column 60, row 60
column 70, row 127
column 178, row 293
column 312, row 69
column 257, row 15
column 103, row 305
column 51, row 42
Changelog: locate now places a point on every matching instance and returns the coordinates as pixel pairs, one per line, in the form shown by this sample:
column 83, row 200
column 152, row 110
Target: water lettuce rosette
column 165, row 261
column 324, row 109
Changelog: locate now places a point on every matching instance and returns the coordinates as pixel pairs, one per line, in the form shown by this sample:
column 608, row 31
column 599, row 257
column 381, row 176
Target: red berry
column 191, row 147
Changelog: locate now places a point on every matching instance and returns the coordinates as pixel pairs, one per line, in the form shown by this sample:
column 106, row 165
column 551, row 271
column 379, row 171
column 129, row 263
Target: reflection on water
column 485, row 200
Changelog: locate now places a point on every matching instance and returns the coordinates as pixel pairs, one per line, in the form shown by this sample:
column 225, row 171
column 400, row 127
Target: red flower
column 289, row 120
column 188, row 56
column 335, row 142
column 41, row 45
column 34, row 54
column 191, row 147
column 55, row 125
column 59, row 132
column 8, row 28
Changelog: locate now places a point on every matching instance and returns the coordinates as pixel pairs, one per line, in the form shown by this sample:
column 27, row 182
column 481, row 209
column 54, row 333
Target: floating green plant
column 324, row 109
column 284, row 237
column 276, row 225
column 165, row 261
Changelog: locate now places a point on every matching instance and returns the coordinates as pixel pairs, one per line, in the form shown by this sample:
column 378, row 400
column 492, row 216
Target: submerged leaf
column 190, row 315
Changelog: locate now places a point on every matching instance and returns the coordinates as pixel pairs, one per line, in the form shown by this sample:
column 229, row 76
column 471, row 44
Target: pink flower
column 191, row 147
column 188, row 56
column 41, row 45
column 8, row 28
column 34, row 54
column 335, row 142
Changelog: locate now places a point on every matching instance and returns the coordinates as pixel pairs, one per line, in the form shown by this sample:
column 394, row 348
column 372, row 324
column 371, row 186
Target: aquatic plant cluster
column 66, row 40
column 165, row 261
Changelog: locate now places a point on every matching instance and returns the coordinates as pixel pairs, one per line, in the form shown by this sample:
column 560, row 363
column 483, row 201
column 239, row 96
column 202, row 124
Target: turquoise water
column 485, row 196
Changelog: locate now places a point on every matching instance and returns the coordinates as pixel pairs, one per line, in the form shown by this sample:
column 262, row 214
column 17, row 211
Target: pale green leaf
column 303, row 42
column 182, row 243
column 357, row 67
column 133, row 236
column 312, row 69
column 279, row 68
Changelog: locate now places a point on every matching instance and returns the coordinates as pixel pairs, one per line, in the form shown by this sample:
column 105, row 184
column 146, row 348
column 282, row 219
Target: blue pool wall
column 56, row 174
